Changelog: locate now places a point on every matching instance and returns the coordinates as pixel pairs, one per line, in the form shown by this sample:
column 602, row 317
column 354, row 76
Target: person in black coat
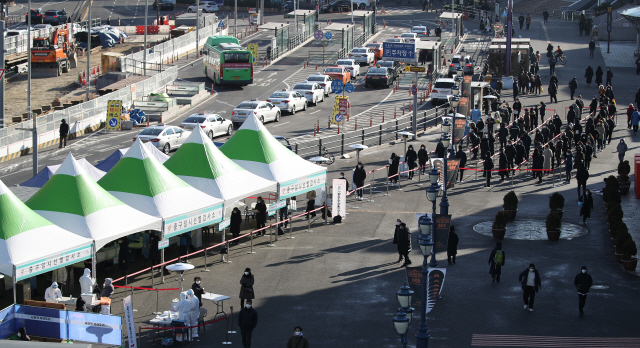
column 396, row 236
column 484, row 147
column 599, row 74
column 440, row 150
column 587, row 206
column 452, row 245
column 502, row 165
column 423, row 157
column 582, row 175
column 609, row 76
column 573, row 85
column 247, row 320
column 503, row 133
column 520, row 152
column 261, row 214
column 531, row 283
column 492, row 144
column 496, row 263
column 475, row 144
column 234, row 226
column 197, row 288
column 359, row 176
column 411, row 157
column 538, row 163
column 487, row 166
column 246, row 287
column 64, row 132
column 582, row 282
column 404, row 243
column 394, row 163
column 589, row 75
column 462, row 156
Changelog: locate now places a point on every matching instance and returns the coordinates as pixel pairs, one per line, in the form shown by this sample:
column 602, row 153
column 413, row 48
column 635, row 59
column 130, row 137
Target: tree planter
column 630, row 264
column 511, row 214
column 624, row 187
column 619, row 256
column 498, row 233
column 558, row 212
column 553, row 235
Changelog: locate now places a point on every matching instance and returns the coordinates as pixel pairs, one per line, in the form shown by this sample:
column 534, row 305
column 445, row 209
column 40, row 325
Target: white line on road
column 220, row 101
column 314, row 112
column 279, row 124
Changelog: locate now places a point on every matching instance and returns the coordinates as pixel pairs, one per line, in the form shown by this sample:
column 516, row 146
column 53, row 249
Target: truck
column 49, row 55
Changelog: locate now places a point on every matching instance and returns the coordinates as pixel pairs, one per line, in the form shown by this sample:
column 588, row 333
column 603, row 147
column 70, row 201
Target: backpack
column 498, row 257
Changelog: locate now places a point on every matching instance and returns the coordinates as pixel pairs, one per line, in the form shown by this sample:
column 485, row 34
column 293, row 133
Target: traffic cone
column 356, row 125
column 402, row 108
column 370, row 121
column 382, row 116
column 316, row 66
column 93, row 72
column 394, row 112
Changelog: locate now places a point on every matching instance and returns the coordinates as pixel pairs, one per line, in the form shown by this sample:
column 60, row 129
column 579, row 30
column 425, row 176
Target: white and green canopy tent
column 73, row 201
column 202, row 165
column 253, row 148
column 31, row 245
column 142, row 182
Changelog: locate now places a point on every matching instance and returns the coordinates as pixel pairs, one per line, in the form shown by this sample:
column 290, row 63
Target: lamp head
column 434, row 175
column 401, row 323
column 455, row 101
column 403, row 296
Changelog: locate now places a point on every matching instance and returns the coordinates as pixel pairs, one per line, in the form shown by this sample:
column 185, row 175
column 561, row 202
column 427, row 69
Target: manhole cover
column 531, row 230
column 600, row 287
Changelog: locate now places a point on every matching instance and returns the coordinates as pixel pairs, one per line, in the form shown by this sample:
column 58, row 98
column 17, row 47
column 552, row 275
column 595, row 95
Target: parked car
column 264, row 110
column 441, row 91
column 206, row 6
column 164, row 5
column 55, row 17
column 165, row 138
column 290, row 101
column 362, row 55
column 322, row 80
column 339, row 73
column 350, row 64
column 36, row 16
column 336, row 6
column 312, row 91
column 379, row 77
column 212, row 124
column 377, row 48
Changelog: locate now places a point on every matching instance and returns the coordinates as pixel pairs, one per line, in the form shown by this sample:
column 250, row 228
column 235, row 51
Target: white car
column 441, row 91
column 206, row 6
column 165, row 138
column 322, row 80
column 395, row 39
column 363, row 55
column 264, row 110
column 350, row 64
column 420, row 30
column 312, row 91
column 290, row 101
column 212, row 124
column 410, row 37
column 42, row 26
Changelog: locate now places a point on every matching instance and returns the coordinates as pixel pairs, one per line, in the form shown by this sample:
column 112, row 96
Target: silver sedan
column 165, row 138
column 212, row 124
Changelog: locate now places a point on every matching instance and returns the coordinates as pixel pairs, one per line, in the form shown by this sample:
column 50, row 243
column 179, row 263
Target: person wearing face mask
column 184, row 310
column 194, row 311
column 107, row 289
column 246, row 287
column 423, row 158
column 531, row 283
column 247, row 320
column 261, row 214
column 236, row 222
column 404, row 243
column 297, row 340
column 197, row 288
column 396, row 236
column 394, row 163
column 86, row 282
column 53, row 294
column 411, row 158
column 359, row 176
column 345, row 180
column 583, row 282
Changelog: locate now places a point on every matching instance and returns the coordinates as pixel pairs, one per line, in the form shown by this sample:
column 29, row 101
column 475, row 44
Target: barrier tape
column 140, row 288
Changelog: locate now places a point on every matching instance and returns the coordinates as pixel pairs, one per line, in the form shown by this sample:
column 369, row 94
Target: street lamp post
column 432, row 195
column 426, row 245
column 402, row 320
column 446, row 140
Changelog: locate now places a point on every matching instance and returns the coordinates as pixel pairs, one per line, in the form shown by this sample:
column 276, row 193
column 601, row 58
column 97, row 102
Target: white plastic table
column 218, row 300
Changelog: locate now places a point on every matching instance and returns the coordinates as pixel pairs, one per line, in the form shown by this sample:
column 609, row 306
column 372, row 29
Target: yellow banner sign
column 414, row 68
column 340, row 110
column 114, row 110
column 254, row 51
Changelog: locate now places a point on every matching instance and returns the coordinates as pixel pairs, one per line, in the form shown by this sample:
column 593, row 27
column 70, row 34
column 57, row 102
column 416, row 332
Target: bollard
column 251, row 250
column 205, row 260
column 152, row 285
column 226, row 341
column 394, row 112
column 356, row 125
column 231, row 315
column 373, row 181
column 402, row 109
column 370, row 121
column 388, row 182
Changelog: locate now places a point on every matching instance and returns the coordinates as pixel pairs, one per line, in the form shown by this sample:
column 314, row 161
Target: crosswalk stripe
column 482, row 340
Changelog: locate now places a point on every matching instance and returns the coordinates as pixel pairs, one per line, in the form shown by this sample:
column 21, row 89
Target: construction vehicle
column 49, row 55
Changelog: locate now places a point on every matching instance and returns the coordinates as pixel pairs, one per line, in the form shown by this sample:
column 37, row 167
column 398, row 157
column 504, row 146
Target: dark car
column 55, row 17
column 284, row 141
column 36, row 17
column 164, row 5
column 336, row 6
column 393, row 66
column 379, row 77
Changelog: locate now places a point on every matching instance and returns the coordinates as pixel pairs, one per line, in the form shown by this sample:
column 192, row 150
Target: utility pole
column 34, row 136
column 2, row 79
column 509, row 31
column 88, row 80
column 146, row 20
column 198, row 29
column 235, row 21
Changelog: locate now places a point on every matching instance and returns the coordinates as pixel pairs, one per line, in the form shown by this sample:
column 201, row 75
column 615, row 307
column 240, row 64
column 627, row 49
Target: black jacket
column 463, row 158
column 64, row 129
column 503, row 133
column 236, row 221
column 523, row 278
column 411, row 156
column 582, row 175
column 452, row 243
column 592, row 45
column 359, row 175
column 440, row 150
column 583, row 282
column 573, row 84
column 248, row 318
column 404, row 240
column 423, row 156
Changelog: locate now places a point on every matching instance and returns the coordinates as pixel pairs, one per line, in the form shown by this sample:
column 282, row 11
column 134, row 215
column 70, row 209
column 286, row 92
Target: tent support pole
column 162, row 262
column 15, row 284
column 94, row 261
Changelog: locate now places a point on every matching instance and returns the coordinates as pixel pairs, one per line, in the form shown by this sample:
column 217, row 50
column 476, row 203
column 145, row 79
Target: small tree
column 629, row 249
column 620, row 239
column 500, row 221
column 615, row 214
column 553, row 222
column 556, row 201
column 623, row 171
column 510, row 201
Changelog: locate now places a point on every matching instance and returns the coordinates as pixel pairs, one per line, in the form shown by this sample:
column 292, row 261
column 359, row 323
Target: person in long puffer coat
column 423, row 157
column 359, row 176
column 548, row 158
column 394, row 163
column 410, row 157
column 246, row 287
column 404, row 243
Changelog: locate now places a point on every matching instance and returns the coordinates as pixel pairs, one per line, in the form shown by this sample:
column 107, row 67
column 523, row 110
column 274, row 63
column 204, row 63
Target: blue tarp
column 109, row 36
column 108, row 163
column 41, row 178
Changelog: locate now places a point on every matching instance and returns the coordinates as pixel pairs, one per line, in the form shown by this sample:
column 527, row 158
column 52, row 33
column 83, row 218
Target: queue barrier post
column 226, row 259
column 373, row 180
column 157, row 312
column 135, row 310
column 205, row 260
column 308, row 223
column 251, row 250
column 152, row 285
column 291, row 228
column 226, row 340
column 231, row 315
column 388, row 182
column 475, row 178
column 271, row 236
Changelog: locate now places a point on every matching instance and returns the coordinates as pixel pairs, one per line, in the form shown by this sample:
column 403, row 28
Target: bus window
column 236, row 57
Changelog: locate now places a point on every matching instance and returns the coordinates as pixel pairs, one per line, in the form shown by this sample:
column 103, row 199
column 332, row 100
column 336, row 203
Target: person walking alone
column 496, row 261
column 592, row 48
column 359, row 176
column 582, row 175
column 298, row 340
column 531, row 283
column 404, row 243
column 582, row 282
column 573, row 85
column 247, row 320
column 246, row 287
column 609, row 77
column 396, row 236
column 64, row 132
column 452, row 245
column 462, row 156
column 528, row 21
column 587, row 206
column 622, row 149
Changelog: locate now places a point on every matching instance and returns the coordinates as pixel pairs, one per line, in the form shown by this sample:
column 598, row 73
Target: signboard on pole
column 400, row 52
column 340, row 110
column 224, row 224
column 163, row 244
column 129, row 322
column 339, row 206
column 452, row 169
column 441, row 225
column 254, row 51
column 435, row 280
column 273, row 208
column 114, row 110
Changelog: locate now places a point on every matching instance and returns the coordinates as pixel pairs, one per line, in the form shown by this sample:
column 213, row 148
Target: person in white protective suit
column 53, row 293
column 184, row 309
column 195, row 312
column 86, row 283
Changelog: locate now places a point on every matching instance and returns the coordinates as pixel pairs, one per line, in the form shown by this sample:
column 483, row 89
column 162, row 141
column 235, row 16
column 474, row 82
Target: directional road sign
column 399, row 52
column 414, row 89
column 337, row 86
column 349, row 87
column 221, row 24
column 410, row 68
column 318, row 35
column 327, row 35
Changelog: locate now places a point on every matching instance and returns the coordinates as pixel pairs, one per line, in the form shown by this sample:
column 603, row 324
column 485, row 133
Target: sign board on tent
column 52, row 262
column 298, row 186
column 339, row 206
column 273, row 208
column 114, row 110
column 131, row 324
column 192, row 220
column 224, row 224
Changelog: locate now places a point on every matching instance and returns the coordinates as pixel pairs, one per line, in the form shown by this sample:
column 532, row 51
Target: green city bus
column 226, row 62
